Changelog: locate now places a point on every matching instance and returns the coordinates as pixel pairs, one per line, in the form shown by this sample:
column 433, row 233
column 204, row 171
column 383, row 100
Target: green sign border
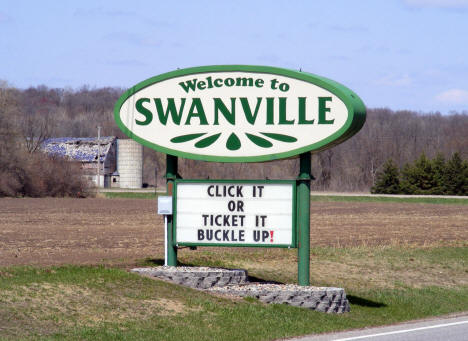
column 294, row 212
column 355, row 121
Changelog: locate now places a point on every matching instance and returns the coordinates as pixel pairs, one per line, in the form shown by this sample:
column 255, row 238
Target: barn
column 120, row 160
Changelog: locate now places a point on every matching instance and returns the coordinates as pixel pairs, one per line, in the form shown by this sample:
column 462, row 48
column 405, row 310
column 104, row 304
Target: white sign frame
column 260, row 210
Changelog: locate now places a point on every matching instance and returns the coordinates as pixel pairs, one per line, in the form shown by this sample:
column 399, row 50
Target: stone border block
column 328, row 300
column 196, row 277
column 234, row 282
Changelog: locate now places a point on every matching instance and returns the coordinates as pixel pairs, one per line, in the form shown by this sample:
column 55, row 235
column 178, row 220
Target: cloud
column 453, row 96
column 403, row 80
column 340, row 58
column 131, row 38
column 102, row 12
column 268, row 58
column 126, row 62
column 453, row 4
column 350, row 29
column 4, row 17
column 112, row 13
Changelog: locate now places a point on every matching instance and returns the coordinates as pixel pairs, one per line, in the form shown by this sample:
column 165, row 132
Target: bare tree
column 351, row 166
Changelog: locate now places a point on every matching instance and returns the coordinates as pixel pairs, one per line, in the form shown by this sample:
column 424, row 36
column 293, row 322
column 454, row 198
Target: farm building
column 121, row 161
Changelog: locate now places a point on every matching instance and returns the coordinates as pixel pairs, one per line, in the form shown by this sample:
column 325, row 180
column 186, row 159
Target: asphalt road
column 446, row 329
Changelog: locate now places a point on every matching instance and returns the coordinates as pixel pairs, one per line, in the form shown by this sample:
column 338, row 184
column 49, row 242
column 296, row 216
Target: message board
column 235, row 213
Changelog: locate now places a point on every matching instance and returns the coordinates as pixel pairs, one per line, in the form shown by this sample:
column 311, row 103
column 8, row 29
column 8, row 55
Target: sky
column 397, row 54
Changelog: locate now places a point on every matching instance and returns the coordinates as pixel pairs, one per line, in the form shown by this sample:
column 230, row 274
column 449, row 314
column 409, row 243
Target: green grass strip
column 130, row 195
column 320, row 198
column 97, row 303
column 419, row 200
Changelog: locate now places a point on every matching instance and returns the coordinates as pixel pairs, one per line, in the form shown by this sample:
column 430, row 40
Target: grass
column 376, row 198
column 320, row 198
column 358, row 268
column 384, row 284
column 130, row 195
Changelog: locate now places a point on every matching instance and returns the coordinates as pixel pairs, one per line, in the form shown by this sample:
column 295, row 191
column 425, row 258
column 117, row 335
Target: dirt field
column 91, row 231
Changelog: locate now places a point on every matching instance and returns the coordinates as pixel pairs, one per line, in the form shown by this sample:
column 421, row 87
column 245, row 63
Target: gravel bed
column 256, row 286
column 183, row 269
column 323, row 299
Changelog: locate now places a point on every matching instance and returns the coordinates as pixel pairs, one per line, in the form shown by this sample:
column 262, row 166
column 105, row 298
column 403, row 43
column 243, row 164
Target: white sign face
column 239, row 113
column 235, row 213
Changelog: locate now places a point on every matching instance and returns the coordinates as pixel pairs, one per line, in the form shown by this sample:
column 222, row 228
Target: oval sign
column 239, row 113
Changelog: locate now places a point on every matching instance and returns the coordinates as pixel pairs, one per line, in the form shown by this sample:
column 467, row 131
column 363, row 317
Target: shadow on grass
column 160, row 262
column 364, row 302
column 153, row 262
column 254, row 279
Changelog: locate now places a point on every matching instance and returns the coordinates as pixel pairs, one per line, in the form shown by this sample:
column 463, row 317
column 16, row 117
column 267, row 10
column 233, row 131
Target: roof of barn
column 84, row 149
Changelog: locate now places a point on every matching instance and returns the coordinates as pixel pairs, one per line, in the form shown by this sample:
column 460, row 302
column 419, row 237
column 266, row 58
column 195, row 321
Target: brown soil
column 355, row 223
column 105, row 231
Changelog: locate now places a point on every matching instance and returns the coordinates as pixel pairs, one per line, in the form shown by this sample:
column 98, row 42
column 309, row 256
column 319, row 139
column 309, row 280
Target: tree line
column 424, row 176
column 28, row 116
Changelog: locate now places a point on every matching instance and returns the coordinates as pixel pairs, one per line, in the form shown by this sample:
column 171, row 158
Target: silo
column 130, row 163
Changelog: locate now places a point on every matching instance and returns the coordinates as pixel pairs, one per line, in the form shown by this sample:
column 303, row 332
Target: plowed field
column 105, row 231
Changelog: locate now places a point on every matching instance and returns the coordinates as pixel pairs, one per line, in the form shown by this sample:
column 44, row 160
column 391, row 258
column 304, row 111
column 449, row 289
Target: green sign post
column 171, row 176
column 240, row 113
column 303, row 219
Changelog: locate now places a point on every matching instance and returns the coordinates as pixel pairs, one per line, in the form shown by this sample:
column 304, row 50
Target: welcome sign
column 238, row 113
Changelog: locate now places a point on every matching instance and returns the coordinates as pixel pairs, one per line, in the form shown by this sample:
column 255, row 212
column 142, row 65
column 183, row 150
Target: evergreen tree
column 407, row 183
column 388, row 181
column 456, row 176
column 438, row 169
column 418, row 178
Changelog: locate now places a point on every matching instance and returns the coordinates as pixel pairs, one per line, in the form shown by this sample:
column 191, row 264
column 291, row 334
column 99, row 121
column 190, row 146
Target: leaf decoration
column 259, row 141
column 233, row 142
column 280, row 137
column 207, row 141
column 185, row 138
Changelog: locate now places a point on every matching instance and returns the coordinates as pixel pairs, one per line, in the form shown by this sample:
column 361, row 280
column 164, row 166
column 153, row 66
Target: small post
column 166, row 247
column 171, row 175
column 98, row 158
column 165, row 208
column 303, row 219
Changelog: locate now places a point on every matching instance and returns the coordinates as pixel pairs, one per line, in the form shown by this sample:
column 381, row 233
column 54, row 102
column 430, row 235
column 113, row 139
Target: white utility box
column 164, row 205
